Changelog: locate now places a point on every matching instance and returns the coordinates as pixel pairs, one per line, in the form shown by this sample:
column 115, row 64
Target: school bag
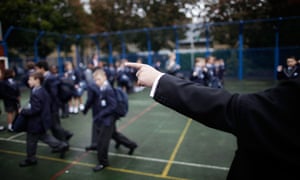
column 66, row 89
column 122, row 102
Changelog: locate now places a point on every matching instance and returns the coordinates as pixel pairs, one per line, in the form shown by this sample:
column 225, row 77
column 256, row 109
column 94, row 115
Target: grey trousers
column 32, row 142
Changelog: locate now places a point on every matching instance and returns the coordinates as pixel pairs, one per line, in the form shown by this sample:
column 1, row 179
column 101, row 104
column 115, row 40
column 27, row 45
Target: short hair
column 43, row 64
column 8, row 73
column 30, row 65
column 99, row 72
column 37, row 75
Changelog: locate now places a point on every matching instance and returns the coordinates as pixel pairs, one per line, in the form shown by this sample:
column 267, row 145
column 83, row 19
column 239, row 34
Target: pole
column 176, row 45
column 149, row 46
column 36, row 42
column 241, row 42
column 276, row 49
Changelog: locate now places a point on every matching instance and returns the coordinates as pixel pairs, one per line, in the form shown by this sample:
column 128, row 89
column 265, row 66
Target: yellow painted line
column 93, row 165
column 173, row 155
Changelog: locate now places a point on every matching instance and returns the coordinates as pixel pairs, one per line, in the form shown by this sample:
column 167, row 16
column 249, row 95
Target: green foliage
column 228, row 11
column 112, row 16
column 47, row 15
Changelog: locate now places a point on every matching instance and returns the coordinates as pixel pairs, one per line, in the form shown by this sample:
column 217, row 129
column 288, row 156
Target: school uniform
column 11, row 93
column 289, row 73
column 38, row 116
column 212, row 77
column 265, row 123
column 74, row 76
column 93, row 101
column 104, row 121
column 93, row 92
column 121, row 139
column 199, row 77
column 50, row 84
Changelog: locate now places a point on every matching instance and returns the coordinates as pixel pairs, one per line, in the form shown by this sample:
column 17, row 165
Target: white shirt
column 154, row 86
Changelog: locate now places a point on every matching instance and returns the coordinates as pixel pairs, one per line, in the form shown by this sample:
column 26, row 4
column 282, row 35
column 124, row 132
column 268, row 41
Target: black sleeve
column 215, row 108
column 35, row 106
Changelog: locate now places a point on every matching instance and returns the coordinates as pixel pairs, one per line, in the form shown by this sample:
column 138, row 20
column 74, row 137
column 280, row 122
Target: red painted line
column 136, row 117
column 59, row 173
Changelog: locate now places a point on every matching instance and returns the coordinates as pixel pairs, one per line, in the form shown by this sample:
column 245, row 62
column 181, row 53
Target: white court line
column 132, row 156
column 15, row 136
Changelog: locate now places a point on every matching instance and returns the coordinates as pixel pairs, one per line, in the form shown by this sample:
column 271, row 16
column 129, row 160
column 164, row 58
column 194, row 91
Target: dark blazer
column 265, row 123
column 39, row 113
column 51, row 85
column 93, row 93
column 10, row 93
column 103, row 104
column 285, row 74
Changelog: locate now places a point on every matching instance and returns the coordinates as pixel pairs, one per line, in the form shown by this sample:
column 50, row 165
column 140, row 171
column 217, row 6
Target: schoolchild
column 11, row 97
column 103, row 106
column 38, row 117
column 290, row 71
column 94, row 94
column 50, row 84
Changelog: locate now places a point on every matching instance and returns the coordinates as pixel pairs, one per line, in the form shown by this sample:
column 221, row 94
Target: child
column 102, row 99
column 50, row 84
column 290, row 71
column 11, row 97
column 2, row 128
column 38, row 116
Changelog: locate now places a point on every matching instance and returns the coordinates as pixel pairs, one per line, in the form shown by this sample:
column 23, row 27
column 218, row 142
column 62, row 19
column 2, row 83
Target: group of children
column 43, row 114
column 208, row 72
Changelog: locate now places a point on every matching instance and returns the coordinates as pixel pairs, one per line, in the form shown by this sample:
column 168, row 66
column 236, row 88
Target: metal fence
column 271, row 44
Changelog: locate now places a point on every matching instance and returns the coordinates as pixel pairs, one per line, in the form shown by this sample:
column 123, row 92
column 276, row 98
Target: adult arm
column 213, row 107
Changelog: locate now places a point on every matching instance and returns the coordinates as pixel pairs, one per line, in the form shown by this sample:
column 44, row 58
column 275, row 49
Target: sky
column 195, row 12
column 86, row 5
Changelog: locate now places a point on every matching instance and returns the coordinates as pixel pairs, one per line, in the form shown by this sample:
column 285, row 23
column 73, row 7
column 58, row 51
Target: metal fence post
column 59, row 59
column 77, row 48
column 207, row 40
column 36, row 42
column 176, row 45
column 123, row 45
column 110, row 58
column 149, row 46
column 241, row 42
column 276, row 48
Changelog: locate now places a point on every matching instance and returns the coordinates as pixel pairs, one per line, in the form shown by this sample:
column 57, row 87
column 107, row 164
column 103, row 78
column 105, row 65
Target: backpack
column 66, row 89
column 122, row 102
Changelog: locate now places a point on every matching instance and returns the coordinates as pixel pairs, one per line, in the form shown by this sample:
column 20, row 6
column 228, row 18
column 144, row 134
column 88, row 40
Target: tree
column 41, row 15
column 228, row 11
column 113, row 16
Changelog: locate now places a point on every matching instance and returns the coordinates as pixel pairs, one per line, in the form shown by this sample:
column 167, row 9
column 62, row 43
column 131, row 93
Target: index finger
column 134, row 65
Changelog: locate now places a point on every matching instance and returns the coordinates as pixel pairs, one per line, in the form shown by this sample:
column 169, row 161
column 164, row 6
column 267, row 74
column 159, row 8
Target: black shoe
column 64, row 116
column 99, row 167
column 117, row 145
column 63, row 151
column 27, row 162
column 131, row 150
column 90, row 148
column 59, row 149
column 69, row 136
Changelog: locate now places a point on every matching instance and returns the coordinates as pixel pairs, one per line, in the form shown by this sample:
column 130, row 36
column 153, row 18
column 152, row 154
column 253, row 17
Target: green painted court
column 170, row 146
